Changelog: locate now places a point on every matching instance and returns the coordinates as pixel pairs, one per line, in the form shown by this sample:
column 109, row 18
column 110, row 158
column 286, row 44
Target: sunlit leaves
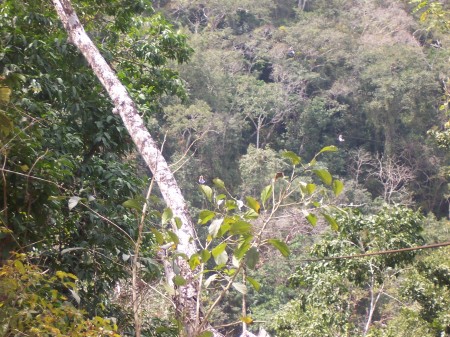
column 73, row 201
column 253, row 204
column 324, row 175
column 266, row 193
column 219, row 183
column 166, row 216
column 330, row 148
column 179, row 280
column 207, row 191
column 205, row 216
column 280, row 245
column 242, row 288
column 338, row 187
column 295, row 160
column 219, row 254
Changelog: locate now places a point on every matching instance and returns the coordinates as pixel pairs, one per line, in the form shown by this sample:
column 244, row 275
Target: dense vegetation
column 286, row 102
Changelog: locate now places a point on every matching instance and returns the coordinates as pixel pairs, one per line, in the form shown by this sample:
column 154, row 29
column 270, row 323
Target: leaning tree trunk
column 148, row 148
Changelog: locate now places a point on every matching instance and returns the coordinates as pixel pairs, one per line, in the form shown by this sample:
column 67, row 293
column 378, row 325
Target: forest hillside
column 310, row 141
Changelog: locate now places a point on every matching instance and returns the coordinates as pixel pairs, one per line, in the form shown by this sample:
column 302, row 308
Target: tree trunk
column 149, row 150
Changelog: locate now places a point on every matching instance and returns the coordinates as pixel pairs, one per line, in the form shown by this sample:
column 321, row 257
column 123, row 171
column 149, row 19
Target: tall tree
column 148, row 148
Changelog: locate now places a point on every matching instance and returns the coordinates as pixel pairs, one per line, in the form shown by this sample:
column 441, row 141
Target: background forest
column 350, row 96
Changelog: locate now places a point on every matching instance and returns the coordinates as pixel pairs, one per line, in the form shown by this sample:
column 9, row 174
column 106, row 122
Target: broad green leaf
column 312, row 218
column 194, row 261
column 166, row 216
column 221, row 259
column 73, row 201
column 334, row 225
column 19, row 266
column 251, row 214
column 266, row 193
column 295, row 160
column 207, row 191
column 205, row 255
column 132, row 203
column 310, row 188
column 219, row 249
column 173, row 237
column 179, row 280
column 214, row 227
column 324, row 175
column 281, row 246
column 210, row 279
column 206, row 334
column 205, row 216
column 158, row 236
column 253, row 204
column 240, row 227
column 219, row 183
column 255, row 284
column 178, row 222
column 252, row 257
column 338, row 186
column 242, row 288
column 330, row 148
column 241, row 250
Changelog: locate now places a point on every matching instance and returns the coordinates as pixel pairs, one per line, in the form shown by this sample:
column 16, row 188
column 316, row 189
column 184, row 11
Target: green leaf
column 205, row 216
column 310, row 188
column 255, row 284
column 166, row 216
column 219, row 249
column 132, row 203
column 19, row 266
column 173, row 237
column 206, row 334
column 207, row 191
column 250, row 214
column 219, row 183
column 210, row 279
column 266, row 194
column 312, row 218
column 214, row 227
column 241, row 250
column 194, row 261
column 178, row 222
column 179, row 280
column 338, row 186
column 295, row 160
column 205, row 255
column 334, row 225
column 324, row 175
column 252, row 257
column 221, row 259
column 73, row 201
column 281, row 246
column 330, row 148
column 158, row 236
column 240, row 227
column 253, row 204
column 219, row 254
column 242, row 288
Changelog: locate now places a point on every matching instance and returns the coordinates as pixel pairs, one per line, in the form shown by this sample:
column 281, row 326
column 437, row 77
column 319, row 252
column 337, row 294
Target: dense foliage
column 250, row 92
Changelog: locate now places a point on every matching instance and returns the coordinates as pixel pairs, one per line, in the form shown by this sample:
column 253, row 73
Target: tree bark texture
column 149, row 150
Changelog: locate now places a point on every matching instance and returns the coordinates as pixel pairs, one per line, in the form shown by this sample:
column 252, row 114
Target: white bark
column 149, row 150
